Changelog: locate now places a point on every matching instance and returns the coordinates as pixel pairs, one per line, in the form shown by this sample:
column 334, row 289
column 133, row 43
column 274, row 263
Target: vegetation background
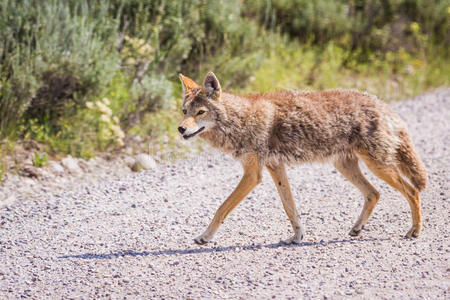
column 79, row 77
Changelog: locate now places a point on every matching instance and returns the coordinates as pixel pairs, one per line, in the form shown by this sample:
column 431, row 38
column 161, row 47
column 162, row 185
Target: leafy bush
column 60, row 53
column 40, row 160
column 194, row 36
column 59, row 59
column 369, row 26
column 317, row 21
column 396, row 76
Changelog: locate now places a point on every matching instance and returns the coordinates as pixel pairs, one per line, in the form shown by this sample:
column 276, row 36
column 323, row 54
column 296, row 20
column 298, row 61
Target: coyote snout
column 189, row 128
column 288, row 127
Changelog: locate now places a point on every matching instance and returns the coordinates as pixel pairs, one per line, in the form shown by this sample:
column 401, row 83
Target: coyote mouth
column 188, row 136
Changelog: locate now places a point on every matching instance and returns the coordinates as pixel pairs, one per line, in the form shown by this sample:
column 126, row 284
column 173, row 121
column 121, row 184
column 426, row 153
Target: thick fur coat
column 289, row 127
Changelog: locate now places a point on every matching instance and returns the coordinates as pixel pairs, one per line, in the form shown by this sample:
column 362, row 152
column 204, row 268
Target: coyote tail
column 410, row 164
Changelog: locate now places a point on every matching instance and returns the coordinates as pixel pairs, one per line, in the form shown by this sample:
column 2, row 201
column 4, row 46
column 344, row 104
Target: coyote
column 288, row 127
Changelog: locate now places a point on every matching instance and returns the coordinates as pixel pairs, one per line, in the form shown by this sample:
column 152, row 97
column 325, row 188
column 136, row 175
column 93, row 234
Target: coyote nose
column 181, row 129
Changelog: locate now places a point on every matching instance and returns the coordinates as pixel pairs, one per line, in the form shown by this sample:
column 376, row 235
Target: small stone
column 143, row 161
column 129, row 161
column 56, row 167
column 71, row 164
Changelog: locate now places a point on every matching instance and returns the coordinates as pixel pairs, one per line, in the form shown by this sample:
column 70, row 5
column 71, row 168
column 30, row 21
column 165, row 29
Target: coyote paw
column 201, row 240
column 413, row 232
column 356, row 230
column 296, row 239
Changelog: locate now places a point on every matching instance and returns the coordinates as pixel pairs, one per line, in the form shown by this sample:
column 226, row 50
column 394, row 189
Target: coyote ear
column 187, row 84
column 212, row 86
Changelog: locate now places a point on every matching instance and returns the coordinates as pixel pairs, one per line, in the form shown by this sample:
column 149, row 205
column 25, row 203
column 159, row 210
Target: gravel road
column 132, row 237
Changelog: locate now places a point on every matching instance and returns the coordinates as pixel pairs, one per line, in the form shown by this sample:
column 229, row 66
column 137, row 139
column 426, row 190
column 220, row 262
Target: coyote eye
column 201, row 112
column 184, row 111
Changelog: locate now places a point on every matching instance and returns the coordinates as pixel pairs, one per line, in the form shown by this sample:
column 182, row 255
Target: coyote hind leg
column 391, row 175
column 349, row 168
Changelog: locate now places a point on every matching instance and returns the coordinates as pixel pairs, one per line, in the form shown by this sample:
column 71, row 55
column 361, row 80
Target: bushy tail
column 410, row 164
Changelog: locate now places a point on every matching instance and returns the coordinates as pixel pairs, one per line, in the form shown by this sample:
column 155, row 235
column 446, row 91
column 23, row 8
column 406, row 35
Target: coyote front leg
column 251, row 178
column 279, row 176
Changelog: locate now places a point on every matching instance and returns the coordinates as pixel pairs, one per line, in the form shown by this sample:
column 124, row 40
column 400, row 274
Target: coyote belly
column 289, row 127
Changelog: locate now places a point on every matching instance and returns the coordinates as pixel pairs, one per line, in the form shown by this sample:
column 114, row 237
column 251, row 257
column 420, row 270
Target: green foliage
column 395, row 76
column 160, row 129
column 319, row 21
column 37, row 130
column 60, row 60
column 366, row 26
column 40, row 160
column 6, row 148
column 2, row 164
column 150, row 94
column 51, row 65
column 193, row 36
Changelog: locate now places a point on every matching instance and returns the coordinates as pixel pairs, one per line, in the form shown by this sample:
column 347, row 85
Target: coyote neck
column 241, row 127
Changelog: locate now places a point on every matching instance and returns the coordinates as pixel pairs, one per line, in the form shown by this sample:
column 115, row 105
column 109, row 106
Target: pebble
column 143, row 161
column 71, row 164
column 56, row 167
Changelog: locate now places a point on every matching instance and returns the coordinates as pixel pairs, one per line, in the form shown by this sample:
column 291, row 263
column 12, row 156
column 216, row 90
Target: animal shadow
column 253, row 247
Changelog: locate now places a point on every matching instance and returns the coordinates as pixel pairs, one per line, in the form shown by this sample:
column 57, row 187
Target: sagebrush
column 56, row 56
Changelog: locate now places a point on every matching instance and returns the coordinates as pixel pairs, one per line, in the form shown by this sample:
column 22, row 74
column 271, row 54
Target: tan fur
column 289, row 127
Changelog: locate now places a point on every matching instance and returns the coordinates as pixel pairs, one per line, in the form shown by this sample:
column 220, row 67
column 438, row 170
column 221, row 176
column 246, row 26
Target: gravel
column 132, row 236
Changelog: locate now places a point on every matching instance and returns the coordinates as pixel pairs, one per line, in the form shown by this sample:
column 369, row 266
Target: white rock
column 129, row 161
column 143, row 161
column 96, row 161
column 7, row 199
column 56, row 167
column 92, row 164
column 71, row 164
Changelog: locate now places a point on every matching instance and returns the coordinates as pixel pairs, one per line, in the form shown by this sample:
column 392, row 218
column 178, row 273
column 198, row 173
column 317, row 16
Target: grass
column 396, row 76
column 40, row 160
column 6, row 148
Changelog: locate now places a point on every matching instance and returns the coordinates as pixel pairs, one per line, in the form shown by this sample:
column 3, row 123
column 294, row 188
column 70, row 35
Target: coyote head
column 199, row 105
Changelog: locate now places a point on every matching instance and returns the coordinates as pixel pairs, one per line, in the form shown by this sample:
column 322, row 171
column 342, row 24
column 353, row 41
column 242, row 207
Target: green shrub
column 318, row 21
column 15, row 94
column 54, row 56
column 2, row 164
column 40, row 160
column 193, row 36
column 369, row 26
column 58, row 59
